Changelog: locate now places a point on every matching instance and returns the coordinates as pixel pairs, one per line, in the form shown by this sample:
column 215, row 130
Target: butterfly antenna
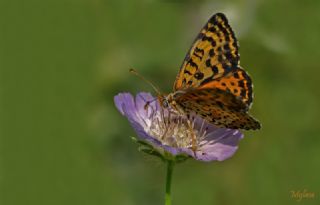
column 133, row 71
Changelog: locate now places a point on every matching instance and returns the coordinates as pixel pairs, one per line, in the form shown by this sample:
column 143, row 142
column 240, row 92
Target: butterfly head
column 169, row 101
column 164, row 101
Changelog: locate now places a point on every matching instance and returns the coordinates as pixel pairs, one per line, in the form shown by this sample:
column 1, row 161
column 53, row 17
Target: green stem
column 170, row 165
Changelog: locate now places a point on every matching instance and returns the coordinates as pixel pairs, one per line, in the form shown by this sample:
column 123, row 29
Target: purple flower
column 171, row 136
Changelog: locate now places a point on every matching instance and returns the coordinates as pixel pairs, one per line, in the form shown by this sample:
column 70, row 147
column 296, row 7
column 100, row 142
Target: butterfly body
column 211, row 83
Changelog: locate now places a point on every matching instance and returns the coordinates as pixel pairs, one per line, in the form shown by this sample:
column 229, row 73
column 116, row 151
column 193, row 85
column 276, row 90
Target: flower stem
column 170, row 165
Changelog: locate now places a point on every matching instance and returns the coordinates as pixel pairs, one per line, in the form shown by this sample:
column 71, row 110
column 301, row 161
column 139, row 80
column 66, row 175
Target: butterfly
column 211, row 83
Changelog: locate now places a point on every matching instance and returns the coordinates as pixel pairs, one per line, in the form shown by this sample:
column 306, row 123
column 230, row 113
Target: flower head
column 173, row 135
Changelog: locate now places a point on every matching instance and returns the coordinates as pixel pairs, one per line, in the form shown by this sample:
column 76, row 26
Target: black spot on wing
column 184, row 81
column 243, row 93
column 208, row 63
column 211, row 52
column 210, row 39
column 226, row 47
column 199, row 50
column 241, row 83
column 214, row 69
column 193, row 64
column 187, row 72
column 199, row 75
column 197, row 55
column 212, row 29
column 227, row 68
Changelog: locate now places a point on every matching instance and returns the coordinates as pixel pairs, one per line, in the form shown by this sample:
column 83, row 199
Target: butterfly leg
column 146, row 106
column 148, row 102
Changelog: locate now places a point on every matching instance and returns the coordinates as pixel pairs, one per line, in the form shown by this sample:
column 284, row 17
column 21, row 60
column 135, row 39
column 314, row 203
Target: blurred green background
column 63, row 142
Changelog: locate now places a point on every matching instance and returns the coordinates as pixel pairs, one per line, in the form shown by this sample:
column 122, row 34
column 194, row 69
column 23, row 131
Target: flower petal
column 141, row 101
column 126, row 105
column 220, row 146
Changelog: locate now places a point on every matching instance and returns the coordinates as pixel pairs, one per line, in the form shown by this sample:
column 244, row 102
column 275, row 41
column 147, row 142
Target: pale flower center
column 174, row 130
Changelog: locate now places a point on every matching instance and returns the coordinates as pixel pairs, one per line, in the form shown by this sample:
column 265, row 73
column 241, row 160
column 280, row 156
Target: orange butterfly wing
column 218, row 107
column 237, row 82
column 213, row 54
column 213, row 62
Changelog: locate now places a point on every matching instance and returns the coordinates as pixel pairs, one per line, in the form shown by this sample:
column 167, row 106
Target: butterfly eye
column 165, row 103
